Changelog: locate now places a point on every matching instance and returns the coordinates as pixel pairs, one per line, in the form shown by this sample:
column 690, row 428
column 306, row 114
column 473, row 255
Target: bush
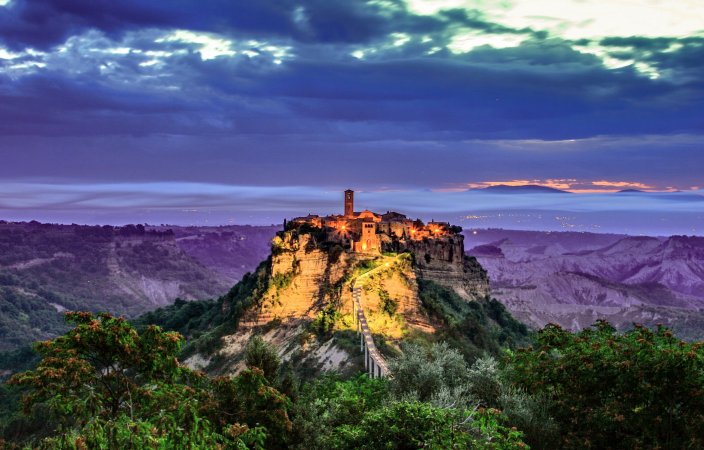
column 325, row 321
column 420, row 373
column 260, row 354
column 109, row 386
column 474, row 327
column 639, row 389
column 414, row 425
column 487, row 384
column 389, row 306
column 330, row 402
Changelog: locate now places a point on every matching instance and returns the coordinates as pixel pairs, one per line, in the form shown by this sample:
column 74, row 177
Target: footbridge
column 374, row 362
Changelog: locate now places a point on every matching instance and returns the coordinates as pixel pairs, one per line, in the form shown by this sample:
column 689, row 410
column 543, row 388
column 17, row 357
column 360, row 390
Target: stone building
column 369, row 232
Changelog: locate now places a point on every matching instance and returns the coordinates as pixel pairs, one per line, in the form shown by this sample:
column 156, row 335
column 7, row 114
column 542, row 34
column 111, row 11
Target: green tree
column 639, row 389
column 100, row 367
column 439, row 375
column 329, row 402
column 487, row 384
column 413, row 425
column 361, row 413
column 112, row 387
column 250, row 400
column 423, row 372
column 259, row 353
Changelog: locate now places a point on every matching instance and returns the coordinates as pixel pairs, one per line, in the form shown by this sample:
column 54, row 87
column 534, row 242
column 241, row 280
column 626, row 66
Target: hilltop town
column 372, row 233
column 356, row 272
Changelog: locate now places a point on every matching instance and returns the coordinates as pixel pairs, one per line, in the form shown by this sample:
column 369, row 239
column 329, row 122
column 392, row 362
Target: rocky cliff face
column 309, row 282
column 308, row 276
column 305, row 277
column 444, row 262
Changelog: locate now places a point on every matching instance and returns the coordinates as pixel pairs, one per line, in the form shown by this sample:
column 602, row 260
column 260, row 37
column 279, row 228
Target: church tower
column 349, row 203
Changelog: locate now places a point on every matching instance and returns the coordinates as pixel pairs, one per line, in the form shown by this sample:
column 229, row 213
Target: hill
column 300, row 300
column 524, row 189
column 575, row 278
column 46, row 269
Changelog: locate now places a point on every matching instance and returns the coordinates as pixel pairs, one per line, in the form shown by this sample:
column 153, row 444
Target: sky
column 228, row 111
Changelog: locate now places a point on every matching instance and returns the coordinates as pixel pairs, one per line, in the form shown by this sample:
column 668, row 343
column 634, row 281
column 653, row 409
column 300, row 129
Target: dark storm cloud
column 45, row 23
column 47, row 104
column 640, row 43
column 539, row 89
column 282, row 100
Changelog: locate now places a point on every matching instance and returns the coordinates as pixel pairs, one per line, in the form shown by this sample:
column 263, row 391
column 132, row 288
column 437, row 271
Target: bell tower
column 349, row 203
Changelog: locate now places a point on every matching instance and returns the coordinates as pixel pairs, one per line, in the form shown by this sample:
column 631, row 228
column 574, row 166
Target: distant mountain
column 47, row 268
column 552, row 278
column 688, row 196
column 571, row 241
column 525, row 189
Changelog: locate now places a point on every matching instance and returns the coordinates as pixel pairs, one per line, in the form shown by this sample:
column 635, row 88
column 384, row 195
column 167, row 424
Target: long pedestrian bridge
column 374, row 362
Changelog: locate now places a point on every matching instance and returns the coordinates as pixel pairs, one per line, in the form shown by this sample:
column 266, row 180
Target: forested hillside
column 46, row 269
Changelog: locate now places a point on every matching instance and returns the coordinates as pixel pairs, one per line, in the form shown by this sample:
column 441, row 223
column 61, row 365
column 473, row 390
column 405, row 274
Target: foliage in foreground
column 438, row 375
column 639, row 389
column 107, row 386
column 363, row 413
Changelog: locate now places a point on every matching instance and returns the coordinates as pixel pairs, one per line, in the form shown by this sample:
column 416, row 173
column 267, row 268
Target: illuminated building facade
column 369, row 232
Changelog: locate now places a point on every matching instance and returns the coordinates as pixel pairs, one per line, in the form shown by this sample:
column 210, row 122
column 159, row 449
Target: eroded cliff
column 443, row 261
column 302, row 302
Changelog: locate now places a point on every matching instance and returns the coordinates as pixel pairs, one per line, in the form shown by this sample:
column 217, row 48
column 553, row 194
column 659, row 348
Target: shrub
column 389, row 306
column 260, row 354
column 639, row 389
column 109, row 386
column 420, row 373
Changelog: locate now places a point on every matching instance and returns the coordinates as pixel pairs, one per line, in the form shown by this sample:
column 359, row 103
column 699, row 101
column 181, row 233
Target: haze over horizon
column 636, row 213
column 249, row 112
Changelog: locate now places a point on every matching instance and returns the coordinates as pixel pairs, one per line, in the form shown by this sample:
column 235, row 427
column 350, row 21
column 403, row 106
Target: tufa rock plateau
column 300, row 298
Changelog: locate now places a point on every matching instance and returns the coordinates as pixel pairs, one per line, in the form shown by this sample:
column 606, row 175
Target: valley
column 573, row 279
column 46, row 269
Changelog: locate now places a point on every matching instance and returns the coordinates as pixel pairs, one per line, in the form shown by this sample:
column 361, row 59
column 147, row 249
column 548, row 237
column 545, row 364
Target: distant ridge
column 46, row 269
column 627, row 191
column 574, row 278
column 524, row 189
